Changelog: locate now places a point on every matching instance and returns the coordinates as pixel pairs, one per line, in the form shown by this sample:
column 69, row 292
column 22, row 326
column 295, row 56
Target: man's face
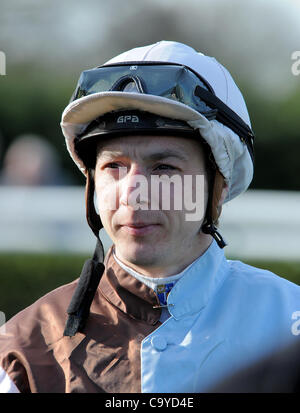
column 153, row 227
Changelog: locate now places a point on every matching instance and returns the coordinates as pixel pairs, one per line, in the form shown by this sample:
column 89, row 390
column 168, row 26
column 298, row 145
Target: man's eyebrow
column 156, row 156
column 109, row 154
column 166, row 154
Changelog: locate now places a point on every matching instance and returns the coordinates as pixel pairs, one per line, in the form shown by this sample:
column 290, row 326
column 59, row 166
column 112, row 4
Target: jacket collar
column 200, row 282
column 128, row 294
column 189, row 295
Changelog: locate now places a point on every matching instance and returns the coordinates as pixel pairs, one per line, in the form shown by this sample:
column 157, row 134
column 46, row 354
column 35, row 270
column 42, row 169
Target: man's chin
column 141, row 255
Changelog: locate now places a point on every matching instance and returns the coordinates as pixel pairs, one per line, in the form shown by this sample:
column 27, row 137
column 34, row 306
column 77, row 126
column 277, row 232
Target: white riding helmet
column 173, row 81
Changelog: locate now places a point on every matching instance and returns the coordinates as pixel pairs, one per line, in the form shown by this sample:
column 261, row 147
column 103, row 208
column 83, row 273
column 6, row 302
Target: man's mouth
column 139, row 229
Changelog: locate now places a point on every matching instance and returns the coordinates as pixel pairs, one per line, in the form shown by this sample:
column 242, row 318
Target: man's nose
column 134, row 189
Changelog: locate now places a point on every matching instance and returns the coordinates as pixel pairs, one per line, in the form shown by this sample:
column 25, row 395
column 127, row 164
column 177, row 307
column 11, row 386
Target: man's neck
column 165, row 271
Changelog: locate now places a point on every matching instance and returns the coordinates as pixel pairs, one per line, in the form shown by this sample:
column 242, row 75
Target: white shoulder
column 6, row 384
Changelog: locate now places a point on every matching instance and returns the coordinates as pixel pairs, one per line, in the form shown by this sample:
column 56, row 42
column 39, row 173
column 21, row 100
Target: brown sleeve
column 31, row 352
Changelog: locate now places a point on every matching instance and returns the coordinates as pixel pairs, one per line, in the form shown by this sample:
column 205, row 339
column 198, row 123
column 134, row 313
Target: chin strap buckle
column 212, row 230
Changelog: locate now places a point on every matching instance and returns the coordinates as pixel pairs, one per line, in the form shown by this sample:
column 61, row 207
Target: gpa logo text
column 296, row 65
column 128, row 118
column 2, row 64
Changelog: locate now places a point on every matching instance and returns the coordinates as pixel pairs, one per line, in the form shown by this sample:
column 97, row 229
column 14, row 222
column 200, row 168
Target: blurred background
column 44, row 238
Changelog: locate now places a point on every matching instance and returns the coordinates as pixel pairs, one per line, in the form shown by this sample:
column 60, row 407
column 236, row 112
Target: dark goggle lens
column 170, row 81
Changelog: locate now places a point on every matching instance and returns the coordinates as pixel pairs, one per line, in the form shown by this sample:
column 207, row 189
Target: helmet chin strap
column 209, row 227
column 79, row 307
column 92, row 217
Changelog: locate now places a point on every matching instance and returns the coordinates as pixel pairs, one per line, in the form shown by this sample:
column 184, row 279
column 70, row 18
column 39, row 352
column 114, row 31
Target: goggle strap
column 237, row 129
column 227, row 116
column 216, row 103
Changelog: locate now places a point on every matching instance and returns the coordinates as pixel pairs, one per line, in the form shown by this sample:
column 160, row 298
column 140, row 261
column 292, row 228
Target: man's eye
column 112, row 165
column 165, row 167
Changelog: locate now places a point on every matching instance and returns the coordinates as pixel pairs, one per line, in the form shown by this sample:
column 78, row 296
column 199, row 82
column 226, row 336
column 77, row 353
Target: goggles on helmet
column 172, row 81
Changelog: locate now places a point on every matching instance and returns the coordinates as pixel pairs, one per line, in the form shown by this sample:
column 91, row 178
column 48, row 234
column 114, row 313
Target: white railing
column 258, row 224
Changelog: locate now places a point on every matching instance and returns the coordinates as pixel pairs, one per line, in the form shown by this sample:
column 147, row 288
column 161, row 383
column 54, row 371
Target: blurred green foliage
column 27, row 277
column 34, row 98
column 277, row 145
column 34, row 101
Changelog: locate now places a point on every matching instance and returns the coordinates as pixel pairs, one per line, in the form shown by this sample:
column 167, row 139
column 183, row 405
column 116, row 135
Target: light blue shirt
column 224, row 315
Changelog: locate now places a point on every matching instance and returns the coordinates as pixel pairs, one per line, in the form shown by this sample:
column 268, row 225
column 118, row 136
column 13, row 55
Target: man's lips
column 140, row 228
